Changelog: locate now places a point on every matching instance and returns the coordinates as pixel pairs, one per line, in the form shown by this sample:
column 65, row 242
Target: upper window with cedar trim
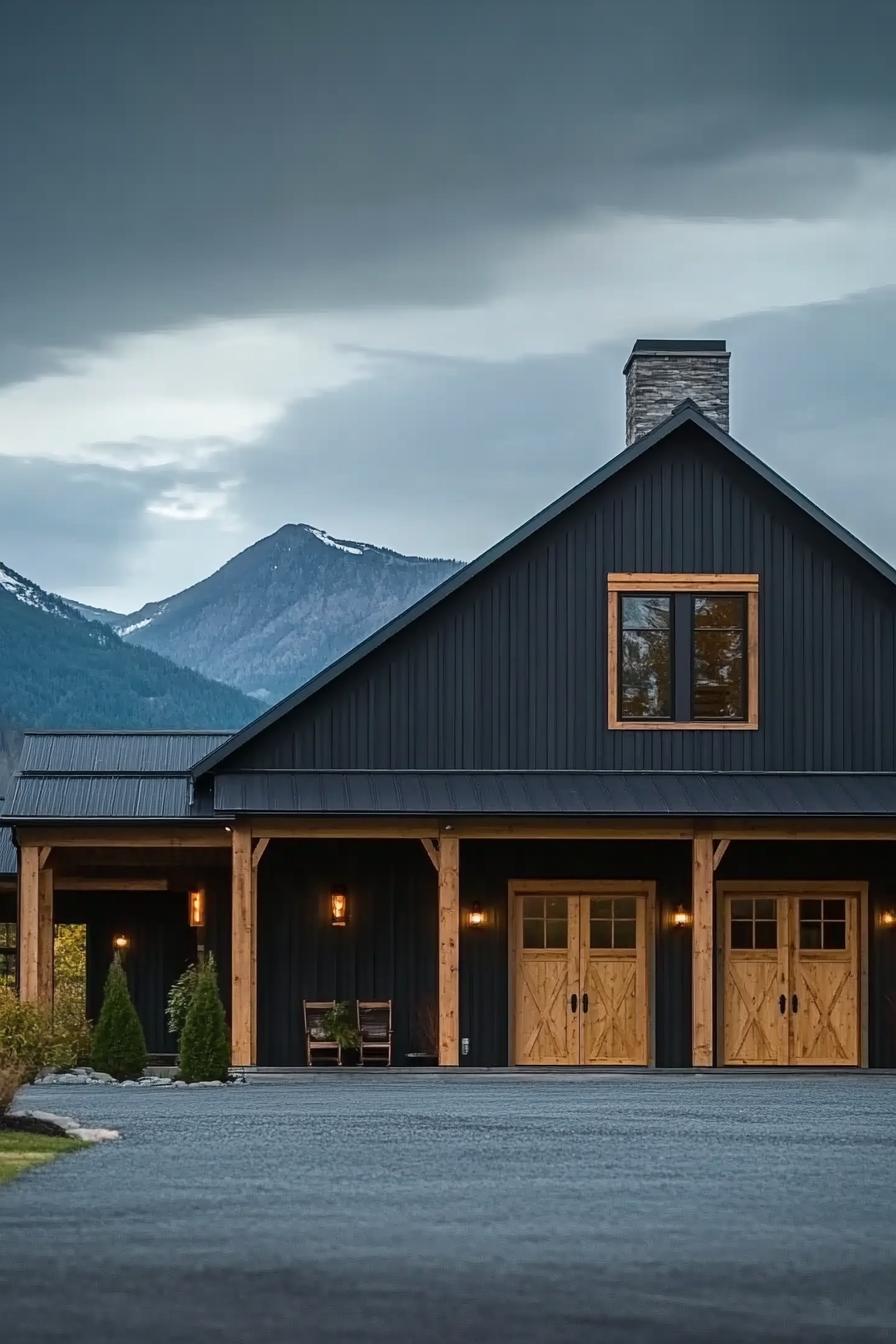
column 683, row 650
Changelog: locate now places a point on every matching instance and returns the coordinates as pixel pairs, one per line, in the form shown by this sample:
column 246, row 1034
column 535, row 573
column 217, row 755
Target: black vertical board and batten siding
column 509, row 672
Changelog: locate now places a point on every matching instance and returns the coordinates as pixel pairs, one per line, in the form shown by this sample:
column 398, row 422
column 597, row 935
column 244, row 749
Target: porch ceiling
column 555, row 793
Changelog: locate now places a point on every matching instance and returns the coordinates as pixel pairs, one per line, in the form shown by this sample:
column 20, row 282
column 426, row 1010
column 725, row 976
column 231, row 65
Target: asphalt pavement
column 365, row 1208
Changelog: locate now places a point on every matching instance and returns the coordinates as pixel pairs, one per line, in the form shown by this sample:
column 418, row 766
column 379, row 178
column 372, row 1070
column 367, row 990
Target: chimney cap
column 664, row 347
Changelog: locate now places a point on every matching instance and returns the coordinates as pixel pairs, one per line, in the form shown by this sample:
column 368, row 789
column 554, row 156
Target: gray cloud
column 167, row 161
column 161, row 164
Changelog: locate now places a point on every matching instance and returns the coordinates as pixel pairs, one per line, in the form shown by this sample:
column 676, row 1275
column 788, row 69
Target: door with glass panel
column 581, row 993
column 791, row 974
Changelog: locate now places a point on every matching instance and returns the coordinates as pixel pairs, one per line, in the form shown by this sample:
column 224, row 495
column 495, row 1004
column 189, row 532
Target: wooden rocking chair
column 318, row 1044
column 375, row 1030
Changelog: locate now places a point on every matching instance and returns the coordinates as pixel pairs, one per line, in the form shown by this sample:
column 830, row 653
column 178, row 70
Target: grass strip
column 19, row 1152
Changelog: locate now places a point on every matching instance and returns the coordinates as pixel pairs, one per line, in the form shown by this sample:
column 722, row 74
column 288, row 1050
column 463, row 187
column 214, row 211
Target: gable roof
column 687, row 413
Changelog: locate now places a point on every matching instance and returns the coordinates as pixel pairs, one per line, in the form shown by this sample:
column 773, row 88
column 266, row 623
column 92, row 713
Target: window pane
column 601, row 933
column 624, row 933
column 646, row 678
column 834, row 933
column 556, row 933
column 835, row 909
column 646, row 613
column 624, row 907
column 719, row 674
column 533, row 907
column 556, row 907
column 718, row 613
column 601, row 907
column 741, row 933
column 810, row 934
column 533, row 933
column 810, row 909
column 742, row 909
column 766, row 933
column 765, row 910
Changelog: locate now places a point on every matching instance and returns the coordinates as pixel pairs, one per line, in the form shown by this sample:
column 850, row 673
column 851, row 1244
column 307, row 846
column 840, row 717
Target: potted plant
column 339, row 1025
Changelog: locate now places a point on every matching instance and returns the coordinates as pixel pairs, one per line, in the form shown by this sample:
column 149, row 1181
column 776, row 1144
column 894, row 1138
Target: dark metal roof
column 8, row 857
column 131, row 753
column 99, row 797
column 687, row 412
column 559, row 793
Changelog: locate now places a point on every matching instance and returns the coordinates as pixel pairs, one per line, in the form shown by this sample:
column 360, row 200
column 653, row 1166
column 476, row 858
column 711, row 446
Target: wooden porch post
column 45, row 936
column 243, row 949
column 28, row 940
column 449, row 942
column 702, row 992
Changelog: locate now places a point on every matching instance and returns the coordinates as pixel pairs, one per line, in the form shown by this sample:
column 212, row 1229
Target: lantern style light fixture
column 681, row 918
column 338, row 907
column 476, row 917
column 121, row 942
column 196, row 907
column 888, row 918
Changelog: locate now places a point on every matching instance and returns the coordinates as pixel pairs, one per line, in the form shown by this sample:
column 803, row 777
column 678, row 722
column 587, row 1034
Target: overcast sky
column 377, row 266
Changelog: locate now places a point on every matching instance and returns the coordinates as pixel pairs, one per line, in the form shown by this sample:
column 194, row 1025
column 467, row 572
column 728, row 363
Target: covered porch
column 487, row 933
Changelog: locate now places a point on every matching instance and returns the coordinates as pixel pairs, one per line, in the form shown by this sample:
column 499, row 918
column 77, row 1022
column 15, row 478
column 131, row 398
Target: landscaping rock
column 94, row 1135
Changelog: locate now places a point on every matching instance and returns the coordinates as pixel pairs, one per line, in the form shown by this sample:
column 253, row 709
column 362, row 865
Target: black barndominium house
column 620, row 792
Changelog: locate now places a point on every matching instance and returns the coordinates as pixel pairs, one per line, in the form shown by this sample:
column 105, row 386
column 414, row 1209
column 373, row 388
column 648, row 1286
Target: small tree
column 119, row 1046
column 180, row 996
column 204, row 1050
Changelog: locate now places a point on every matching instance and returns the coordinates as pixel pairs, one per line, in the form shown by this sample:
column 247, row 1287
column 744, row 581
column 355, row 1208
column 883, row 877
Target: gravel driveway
column 342, row 1208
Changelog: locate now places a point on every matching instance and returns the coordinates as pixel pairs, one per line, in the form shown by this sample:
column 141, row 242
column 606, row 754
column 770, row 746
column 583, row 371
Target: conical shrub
column 119, row 1046
column 204, row 1048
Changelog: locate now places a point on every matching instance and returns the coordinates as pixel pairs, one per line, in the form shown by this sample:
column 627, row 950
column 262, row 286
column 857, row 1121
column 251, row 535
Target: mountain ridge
column 281, row 609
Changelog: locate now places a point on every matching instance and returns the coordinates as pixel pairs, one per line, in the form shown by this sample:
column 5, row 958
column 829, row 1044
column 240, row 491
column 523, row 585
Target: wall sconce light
column 888, row 919
column 681, row 918
column 121, row 942
column 196, row 907
column 338, row 907
column 476, row 918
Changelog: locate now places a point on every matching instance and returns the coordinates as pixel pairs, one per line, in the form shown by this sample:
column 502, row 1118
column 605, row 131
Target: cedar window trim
column 698, row 585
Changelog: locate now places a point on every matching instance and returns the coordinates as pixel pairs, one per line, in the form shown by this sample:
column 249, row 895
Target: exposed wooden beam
column 44, row 856
column 702, row 952
column 338, row 828
column 45, row 936
column 803, row 831
column 111, row 884
column 29, row 923
column 258, row 851
column 243, row 954
column 432, row 852
column 546, row 830
column 719, row 853
column 125, row 837
column 449, row 946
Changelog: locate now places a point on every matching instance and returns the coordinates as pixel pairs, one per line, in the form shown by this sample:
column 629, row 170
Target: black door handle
column 574, row 1002
column 794, row 1004
column 584, row 1003
column 782, row 1003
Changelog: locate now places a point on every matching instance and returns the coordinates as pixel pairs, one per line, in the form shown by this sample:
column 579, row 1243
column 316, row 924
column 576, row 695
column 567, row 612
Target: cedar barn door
column 791, row 977
column 580, row 975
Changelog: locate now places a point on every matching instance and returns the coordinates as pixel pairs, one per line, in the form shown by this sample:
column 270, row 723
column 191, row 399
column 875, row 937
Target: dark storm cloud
column 165, row 161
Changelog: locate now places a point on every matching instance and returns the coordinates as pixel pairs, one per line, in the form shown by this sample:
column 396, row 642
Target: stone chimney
column 660, row 375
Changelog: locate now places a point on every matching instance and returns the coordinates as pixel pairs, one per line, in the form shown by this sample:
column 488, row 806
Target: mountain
column 282, row 609
column 58, row 670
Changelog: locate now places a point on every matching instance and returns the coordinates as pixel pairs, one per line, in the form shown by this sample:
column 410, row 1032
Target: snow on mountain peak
column 27, row 592
column 337, row 545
